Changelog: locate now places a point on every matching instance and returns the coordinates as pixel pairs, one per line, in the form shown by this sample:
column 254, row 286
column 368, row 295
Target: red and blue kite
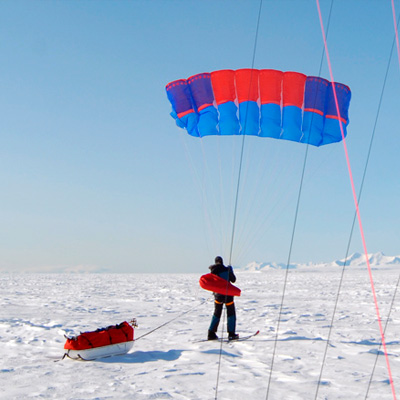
column 265, row 103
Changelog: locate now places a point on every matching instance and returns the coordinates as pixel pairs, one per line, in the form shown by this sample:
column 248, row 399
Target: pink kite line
column 357, row 207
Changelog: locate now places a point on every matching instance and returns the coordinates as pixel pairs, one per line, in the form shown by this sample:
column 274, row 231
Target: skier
column 220, row 299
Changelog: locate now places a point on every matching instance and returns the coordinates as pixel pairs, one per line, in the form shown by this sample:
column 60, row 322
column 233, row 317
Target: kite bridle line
column 238, row 182
column 356, row 202
column 352, row 227
column 396, row 38
column 293, row 233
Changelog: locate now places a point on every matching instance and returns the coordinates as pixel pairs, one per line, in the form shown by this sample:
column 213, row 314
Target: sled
column 114, row 340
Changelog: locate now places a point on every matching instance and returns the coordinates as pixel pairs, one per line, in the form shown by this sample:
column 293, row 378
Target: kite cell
column 265, row 103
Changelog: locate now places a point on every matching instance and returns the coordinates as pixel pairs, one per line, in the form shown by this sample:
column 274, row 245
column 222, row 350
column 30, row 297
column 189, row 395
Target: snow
column 38, row 309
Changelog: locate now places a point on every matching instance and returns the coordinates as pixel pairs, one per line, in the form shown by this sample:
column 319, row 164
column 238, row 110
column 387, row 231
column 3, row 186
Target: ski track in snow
column 38, row 309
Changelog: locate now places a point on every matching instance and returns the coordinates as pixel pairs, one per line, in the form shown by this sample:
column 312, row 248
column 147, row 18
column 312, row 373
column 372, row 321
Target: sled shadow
column 140, row 357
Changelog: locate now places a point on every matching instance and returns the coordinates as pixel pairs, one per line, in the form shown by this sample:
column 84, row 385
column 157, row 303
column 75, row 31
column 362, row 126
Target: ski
column 241, row 339
column 226, row 340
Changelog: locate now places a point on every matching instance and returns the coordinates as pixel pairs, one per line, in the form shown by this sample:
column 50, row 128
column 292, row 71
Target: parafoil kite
column 265, row 103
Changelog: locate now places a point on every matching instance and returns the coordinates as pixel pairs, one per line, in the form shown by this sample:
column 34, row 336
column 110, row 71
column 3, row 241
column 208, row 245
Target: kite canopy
column 265, row 103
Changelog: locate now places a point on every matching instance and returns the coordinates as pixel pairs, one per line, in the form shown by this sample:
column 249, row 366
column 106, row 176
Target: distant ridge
column 376, row 260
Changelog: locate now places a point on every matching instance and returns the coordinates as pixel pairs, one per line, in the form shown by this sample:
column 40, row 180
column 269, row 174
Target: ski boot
column 212, row 336
column 233, row 336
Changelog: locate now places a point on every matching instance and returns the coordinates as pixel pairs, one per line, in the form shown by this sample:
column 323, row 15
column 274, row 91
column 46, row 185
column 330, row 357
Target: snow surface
column 36, row 310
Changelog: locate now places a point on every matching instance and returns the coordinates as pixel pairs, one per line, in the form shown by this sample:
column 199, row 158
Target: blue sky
column 94, row 171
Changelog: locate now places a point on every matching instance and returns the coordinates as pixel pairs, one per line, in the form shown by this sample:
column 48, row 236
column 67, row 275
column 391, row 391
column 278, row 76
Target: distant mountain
column 355, row 260
column 257, row 266
column 375, row 260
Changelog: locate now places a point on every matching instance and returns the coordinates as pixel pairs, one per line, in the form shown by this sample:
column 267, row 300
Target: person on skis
column 220, row 299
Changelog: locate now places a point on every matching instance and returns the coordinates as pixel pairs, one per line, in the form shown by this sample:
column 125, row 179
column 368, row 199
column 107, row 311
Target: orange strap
column 228, row 304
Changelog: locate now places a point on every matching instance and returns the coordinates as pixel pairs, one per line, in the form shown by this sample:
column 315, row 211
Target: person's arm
column 232, row 277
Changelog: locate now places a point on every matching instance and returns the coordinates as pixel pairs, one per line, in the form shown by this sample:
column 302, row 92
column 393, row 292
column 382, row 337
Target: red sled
column 219, row 285
column 104, row 342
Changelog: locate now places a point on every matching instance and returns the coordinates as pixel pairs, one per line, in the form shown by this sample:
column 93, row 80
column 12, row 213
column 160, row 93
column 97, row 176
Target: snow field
column 38, row 309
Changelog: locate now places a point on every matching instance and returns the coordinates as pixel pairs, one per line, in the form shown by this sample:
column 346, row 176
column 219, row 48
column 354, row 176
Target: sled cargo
column 104, row 342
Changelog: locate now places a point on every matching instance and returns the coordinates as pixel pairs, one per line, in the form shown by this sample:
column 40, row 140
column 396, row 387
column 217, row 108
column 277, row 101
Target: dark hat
column 219, row 260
